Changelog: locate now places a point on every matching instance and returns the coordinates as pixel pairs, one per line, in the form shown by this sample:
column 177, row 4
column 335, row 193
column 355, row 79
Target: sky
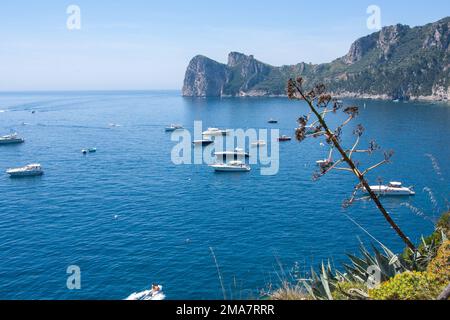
column 147, row 45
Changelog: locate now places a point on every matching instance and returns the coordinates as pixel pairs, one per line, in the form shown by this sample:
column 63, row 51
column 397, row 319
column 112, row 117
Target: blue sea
column 129, row 217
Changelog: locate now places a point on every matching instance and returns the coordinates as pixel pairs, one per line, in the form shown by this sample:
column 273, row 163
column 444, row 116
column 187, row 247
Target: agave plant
column 320, row 286
column 385, row 263
column 359, row 272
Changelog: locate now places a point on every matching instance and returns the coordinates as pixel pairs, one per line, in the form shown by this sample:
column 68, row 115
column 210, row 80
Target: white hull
column 388, row 191
column 226, row 168
column 147, row 295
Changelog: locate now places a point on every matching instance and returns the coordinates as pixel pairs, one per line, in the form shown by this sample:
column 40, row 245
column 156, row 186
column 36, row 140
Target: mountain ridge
column 397, row 62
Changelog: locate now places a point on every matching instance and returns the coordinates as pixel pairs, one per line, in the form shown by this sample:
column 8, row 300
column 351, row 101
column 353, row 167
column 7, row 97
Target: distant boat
column 203, row 142
column 155, row 293
column 90, row 150
column 232, row 166
column 237, row 153
column 11, row 139
column 284, row 138
column 27, row 171
column 392, row 189
column 396, row 100
column 272, row 121
column 174, row 127
column 215, row 132
column 258, row 143
column 114, row 125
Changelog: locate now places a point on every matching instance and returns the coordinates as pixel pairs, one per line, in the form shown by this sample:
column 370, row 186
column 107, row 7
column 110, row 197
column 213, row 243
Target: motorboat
column 272, row 121
column 203, row 142
column 11, row 139
column 215, row 132
column 155, row 293
column 90, row 150
column 174, row 127
column 258, row 143
column 27, row 171
column 237, row 153
column 284, row 138
column 232, row 166
column 324, row 162
column 392, row 189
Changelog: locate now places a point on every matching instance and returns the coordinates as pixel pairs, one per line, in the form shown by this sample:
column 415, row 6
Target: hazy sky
column 147, row 44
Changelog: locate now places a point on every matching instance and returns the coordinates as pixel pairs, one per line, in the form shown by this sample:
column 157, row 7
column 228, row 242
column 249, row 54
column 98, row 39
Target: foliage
column 440, row 266
column 350, row 291
column 290, row 292
column 409, row 286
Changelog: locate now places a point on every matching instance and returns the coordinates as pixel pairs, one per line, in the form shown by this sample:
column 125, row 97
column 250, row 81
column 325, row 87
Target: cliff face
column 204, row 78
column 396, row 62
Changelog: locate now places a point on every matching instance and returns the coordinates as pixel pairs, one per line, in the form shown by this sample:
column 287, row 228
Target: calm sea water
column 129, row 217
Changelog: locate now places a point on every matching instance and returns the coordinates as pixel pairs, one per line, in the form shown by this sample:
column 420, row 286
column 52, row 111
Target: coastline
column 342, row 95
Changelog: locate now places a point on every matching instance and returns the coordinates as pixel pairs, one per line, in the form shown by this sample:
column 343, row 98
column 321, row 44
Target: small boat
column 114, row 125
column 90, row 150
column 284, row 138
column 392, row 189
column 174, row 127
column 272, row 121
column 237, row 153
column 325, row 162
column 27, row 171
column 11, row 139
column 215, row 132
column 203, row 142
column 155, row 293
column 396, row 100
column 232, row 166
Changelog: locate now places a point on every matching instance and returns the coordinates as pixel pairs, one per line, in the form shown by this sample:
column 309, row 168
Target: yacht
column 203, row 142
column 215, row 132
column 174, row 127
column 258, row 143
column 232, row 166
column 284, row 138
column 392, row 189
column 237, row 153
column 11, row 139
column 27, row 171
column 272, row 121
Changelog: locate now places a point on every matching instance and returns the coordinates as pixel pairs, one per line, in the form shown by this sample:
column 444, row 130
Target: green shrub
column 440, row 266
column 409, row 286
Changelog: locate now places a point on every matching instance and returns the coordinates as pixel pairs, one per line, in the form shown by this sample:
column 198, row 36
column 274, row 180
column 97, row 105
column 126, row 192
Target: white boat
column 174, row 127
column 258, row 143
column 215, row 132
column 27, row 171
column 153, row 294
column 11, row 139
column 90, row 150
column 237, row 153
column 203, row 142
column 232, row 166
column 392, row 189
